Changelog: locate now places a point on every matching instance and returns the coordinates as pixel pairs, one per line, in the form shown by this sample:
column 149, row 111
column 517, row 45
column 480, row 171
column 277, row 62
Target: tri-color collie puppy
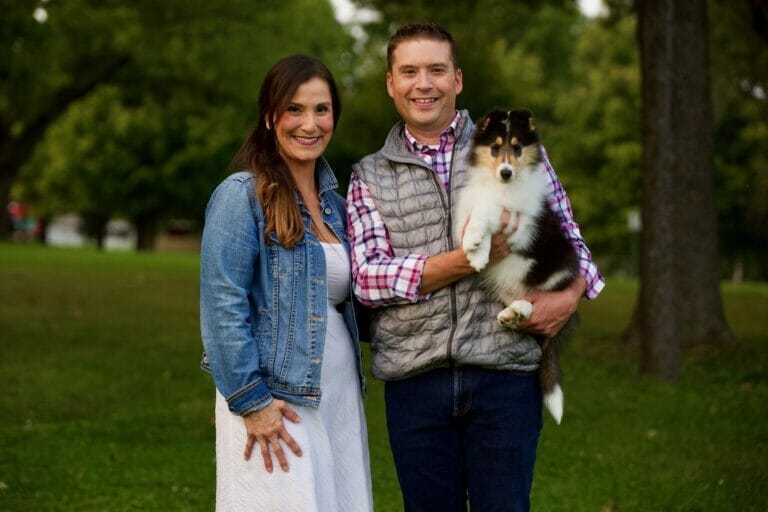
column 506, row 172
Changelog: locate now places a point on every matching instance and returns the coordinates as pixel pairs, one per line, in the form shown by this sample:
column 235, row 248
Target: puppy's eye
column 495, row 148
column 518, row 149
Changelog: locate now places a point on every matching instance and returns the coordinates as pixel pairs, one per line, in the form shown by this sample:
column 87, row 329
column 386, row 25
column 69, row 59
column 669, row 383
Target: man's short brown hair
column 420, row 31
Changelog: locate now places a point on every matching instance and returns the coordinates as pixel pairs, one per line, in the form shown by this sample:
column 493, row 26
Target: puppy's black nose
column 506, row 173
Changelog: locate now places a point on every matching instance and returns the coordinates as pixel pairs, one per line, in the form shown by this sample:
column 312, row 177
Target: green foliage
column 155, row 142
column 595, row 145
column 177, row 84
column 740, row 90
column 106, row 409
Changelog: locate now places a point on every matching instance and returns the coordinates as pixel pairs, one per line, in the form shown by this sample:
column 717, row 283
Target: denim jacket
column 262, row 306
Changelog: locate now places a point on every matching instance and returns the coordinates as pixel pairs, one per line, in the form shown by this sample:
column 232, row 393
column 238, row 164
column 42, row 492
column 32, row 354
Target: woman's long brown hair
column 260, row 153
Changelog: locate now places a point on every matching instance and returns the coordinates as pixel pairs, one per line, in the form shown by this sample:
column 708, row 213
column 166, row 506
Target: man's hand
column 500, row 240
column 551, row 310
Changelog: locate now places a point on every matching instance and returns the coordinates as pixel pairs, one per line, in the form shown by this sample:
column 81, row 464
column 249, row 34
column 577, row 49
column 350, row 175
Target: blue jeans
column 465, row 433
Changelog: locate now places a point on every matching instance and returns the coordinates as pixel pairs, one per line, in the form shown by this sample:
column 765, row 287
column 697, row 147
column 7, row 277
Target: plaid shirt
column 437, row 156
column 384, row 279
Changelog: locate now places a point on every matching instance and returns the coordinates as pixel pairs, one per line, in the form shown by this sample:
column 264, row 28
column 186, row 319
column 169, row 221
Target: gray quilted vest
column 458, row 323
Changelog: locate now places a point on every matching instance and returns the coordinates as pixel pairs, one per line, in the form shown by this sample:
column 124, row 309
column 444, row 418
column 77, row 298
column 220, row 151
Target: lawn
column 105, row 408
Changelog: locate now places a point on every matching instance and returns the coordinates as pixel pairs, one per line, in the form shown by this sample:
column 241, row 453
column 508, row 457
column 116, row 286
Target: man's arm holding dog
column 380, row 278
column 551, row 310
column 443, row 269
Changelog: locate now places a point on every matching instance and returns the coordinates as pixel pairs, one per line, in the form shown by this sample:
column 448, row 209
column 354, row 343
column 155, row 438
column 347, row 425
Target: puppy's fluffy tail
column 553, row 401
column 549, row 371
column 549, row 377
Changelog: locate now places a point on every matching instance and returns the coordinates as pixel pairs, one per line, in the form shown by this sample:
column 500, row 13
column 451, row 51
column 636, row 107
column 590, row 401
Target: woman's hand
column 267, row 428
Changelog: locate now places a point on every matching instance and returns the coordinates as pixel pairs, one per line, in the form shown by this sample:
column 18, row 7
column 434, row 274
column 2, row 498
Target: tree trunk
column 700, row 307
column 6, row 180
column 660, row 348
column 680, row 299
column 95, row 227
column 146, row 232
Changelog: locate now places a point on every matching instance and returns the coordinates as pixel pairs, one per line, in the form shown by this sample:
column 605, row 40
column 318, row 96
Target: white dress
column 333, row 474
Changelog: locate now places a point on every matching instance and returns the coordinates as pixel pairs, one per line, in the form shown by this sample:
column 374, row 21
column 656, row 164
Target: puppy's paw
column 512, row 315
column 473, row 238
column 477, row 247
column 478, row 258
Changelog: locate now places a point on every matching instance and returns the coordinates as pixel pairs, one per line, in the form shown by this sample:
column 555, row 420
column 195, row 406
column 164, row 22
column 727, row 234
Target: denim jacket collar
column 325, row 178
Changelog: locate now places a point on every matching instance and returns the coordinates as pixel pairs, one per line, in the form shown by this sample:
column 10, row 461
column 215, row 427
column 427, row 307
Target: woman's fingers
column 291, row 442
column 268, row 429
column 275, row 444
column 266, row 455
column 249, row 442
column 291, row 414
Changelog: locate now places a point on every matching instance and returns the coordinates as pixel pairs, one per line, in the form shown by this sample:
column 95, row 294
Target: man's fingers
column 505, row 216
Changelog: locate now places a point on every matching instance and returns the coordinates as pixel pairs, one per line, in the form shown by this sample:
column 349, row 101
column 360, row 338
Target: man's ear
column 459, row 81
column 389, row 85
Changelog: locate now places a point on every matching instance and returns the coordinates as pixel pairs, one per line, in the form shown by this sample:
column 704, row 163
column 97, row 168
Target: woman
column 277, row 320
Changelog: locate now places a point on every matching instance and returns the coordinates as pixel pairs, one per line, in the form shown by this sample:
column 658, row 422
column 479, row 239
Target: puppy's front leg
column 483, row 222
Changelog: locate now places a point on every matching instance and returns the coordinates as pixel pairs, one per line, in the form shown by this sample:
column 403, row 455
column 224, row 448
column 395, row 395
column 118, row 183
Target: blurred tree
column 46, row 65
column 596, row 140
column 680, row 299
column 740, row 95
column 157, row 142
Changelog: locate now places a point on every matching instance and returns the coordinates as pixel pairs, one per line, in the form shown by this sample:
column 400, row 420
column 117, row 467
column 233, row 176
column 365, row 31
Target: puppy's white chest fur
column 483, row 201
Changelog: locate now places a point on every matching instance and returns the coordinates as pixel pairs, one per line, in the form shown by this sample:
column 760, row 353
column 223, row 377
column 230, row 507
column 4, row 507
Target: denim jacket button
column 328, row 211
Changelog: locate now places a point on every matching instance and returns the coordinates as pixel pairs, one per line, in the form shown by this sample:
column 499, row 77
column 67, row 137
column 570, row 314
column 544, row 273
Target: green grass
column 104, row 407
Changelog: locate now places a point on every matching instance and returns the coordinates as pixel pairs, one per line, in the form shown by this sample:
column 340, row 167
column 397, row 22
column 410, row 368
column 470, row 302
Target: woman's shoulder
column 241, row 177
column 239, row 183
column 237, row 188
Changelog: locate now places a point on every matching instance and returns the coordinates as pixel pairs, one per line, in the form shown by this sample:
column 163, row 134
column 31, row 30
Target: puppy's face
column 505, row 143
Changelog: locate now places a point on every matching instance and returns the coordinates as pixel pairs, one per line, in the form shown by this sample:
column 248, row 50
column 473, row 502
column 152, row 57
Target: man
column 462, row 396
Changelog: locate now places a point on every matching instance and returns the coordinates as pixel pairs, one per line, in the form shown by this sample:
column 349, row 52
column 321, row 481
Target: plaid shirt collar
column 427, row 150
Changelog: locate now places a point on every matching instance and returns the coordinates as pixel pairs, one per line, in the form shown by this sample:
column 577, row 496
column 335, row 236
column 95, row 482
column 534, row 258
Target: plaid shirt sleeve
column 378, row 277
column 561, row 205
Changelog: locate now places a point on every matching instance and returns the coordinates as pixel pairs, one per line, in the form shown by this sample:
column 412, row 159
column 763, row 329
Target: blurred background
column 118, row 118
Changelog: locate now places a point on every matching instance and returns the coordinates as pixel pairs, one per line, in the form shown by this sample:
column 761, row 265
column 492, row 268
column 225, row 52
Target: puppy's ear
column 482, row 125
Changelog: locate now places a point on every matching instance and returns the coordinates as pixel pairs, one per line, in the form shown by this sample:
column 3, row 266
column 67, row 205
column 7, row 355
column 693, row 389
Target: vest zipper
column 449, row 232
